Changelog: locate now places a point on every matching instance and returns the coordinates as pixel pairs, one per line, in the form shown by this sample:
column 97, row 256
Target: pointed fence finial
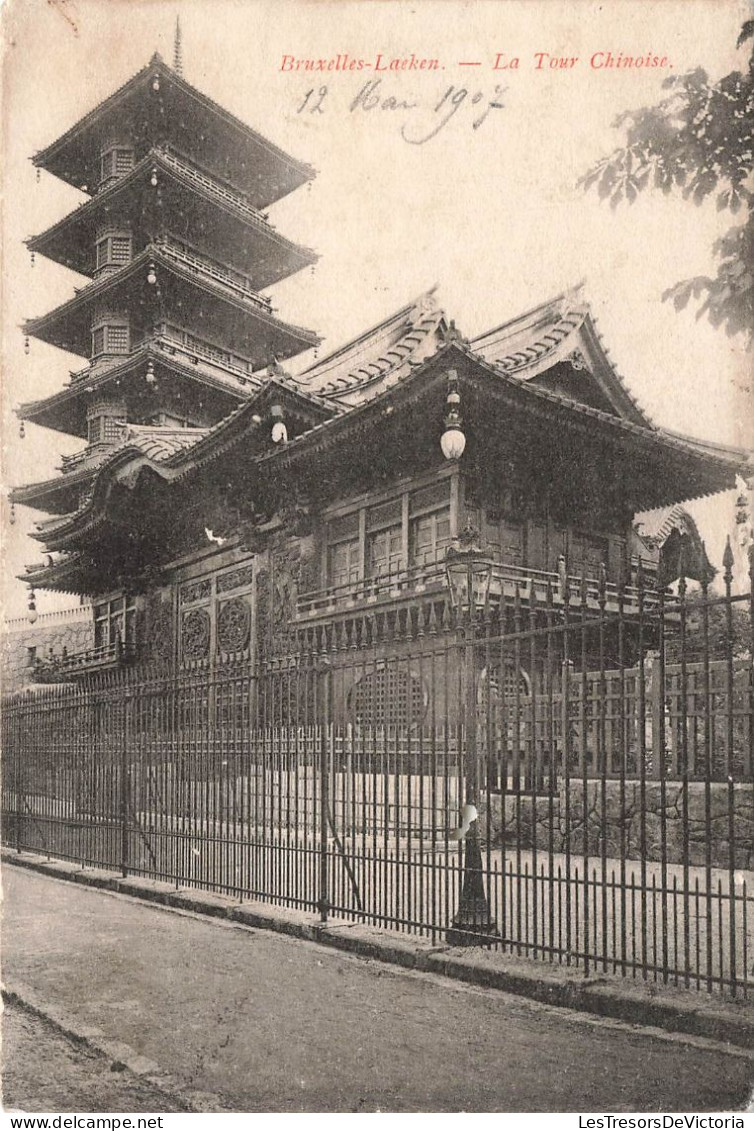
column 177, row 48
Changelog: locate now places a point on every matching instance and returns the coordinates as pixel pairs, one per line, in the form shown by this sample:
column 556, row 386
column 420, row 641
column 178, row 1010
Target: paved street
column 268, row 1023
column 44, row 1071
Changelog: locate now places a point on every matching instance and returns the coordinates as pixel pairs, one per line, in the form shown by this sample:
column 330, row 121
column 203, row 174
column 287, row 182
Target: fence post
column 124, row 787
column 324, row 792
column 20, row 781
column 657, row 706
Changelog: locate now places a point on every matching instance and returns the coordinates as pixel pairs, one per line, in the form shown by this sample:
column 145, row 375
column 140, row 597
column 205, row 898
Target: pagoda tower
column 175, row 323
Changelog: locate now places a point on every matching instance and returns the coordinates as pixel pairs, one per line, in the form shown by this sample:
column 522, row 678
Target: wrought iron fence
column 608, row 754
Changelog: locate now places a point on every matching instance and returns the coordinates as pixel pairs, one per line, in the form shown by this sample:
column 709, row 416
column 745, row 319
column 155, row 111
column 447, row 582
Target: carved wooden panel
column 195, row 634
column 233, row 625
column 158, row 628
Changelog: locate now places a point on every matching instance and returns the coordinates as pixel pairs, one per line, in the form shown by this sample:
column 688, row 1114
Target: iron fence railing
column 607, row 753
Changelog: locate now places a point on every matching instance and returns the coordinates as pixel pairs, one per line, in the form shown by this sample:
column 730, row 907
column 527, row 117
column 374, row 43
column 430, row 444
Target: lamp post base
column 473, row 924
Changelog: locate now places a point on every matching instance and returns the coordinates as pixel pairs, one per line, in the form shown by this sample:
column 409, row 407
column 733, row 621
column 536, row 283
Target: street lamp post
column 469, row 573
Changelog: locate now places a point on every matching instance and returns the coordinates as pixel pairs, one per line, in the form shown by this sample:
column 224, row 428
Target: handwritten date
column 422, row 120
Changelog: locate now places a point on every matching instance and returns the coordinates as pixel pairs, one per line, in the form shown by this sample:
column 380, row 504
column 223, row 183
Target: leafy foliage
column 697, row 141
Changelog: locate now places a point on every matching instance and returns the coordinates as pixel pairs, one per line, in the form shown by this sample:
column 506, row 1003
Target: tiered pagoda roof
column 193, row 205
column 178, row 251
column 193, row 124
column 207, row 298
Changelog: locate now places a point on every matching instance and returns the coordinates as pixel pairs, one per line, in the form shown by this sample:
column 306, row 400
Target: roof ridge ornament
column 275, row 369
column 451, row 333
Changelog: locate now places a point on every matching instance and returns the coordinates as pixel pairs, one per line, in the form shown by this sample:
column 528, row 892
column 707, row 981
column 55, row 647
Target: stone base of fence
column 613, row 813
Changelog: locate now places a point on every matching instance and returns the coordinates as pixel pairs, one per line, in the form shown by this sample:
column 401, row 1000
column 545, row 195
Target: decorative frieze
column 235, row 579
column 196, row 591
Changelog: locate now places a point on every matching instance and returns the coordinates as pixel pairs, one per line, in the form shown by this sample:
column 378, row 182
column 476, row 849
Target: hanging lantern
column 12, row 518
column 21, row 430
column 156, row 82
column 27, row 345
column 279, row 430
column 151, row 275
column 453, row 439
column 31, row 614
column 153, row 179
column 150, row 378
column 33, row 258
column 39, row 171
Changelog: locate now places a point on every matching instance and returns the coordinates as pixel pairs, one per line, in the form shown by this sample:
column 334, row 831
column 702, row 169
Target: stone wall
column 72, row 629
column 613, row 821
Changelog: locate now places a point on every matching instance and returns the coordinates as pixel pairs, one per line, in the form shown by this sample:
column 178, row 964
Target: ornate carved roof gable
column 671, row 533
column 557, row 346
column 380, row 357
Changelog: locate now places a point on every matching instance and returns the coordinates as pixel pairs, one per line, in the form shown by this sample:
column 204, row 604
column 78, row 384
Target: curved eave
column 720, row 468
column 58, row 495
column 248, row 328
column 129, row 460
column 61, row 576
column 65, row 411
column 244, row 157
column 224, row 230
column 610, row 380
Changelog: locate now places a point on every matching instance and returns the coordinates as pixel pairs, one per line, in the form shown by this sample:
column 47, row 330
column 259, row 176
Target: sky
column 490, row 213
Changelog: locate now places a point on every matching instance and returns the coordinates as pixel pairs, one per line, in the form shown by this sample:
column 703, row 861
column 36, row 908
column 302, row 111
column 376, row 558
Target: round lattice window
column 388, row 697
column 233, row 625
column 195, row 634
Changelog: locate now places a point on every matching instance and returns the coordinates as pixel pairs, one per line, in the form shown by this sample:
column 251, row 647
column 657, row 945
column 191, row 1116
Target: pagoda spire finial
column 177, row 48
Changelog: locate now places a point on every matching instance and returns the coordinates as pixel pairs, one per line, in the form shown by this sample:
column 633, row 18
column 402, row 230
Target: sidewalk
column 236, row 1018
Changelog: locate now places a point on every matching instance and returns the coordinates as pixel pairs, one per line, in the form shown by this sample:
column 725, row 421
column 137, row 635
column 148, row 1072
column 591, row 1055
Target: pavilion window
column 115, row 621
column 429, row 537
column 392, row 697
column 111, row 429
column 116, row 162
column 384, row 551
column 587, row 553
column 384, row 539
column 344, row 563
column 344, row 550
column 113, row 250
column 110, row 338
column 429, row 524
